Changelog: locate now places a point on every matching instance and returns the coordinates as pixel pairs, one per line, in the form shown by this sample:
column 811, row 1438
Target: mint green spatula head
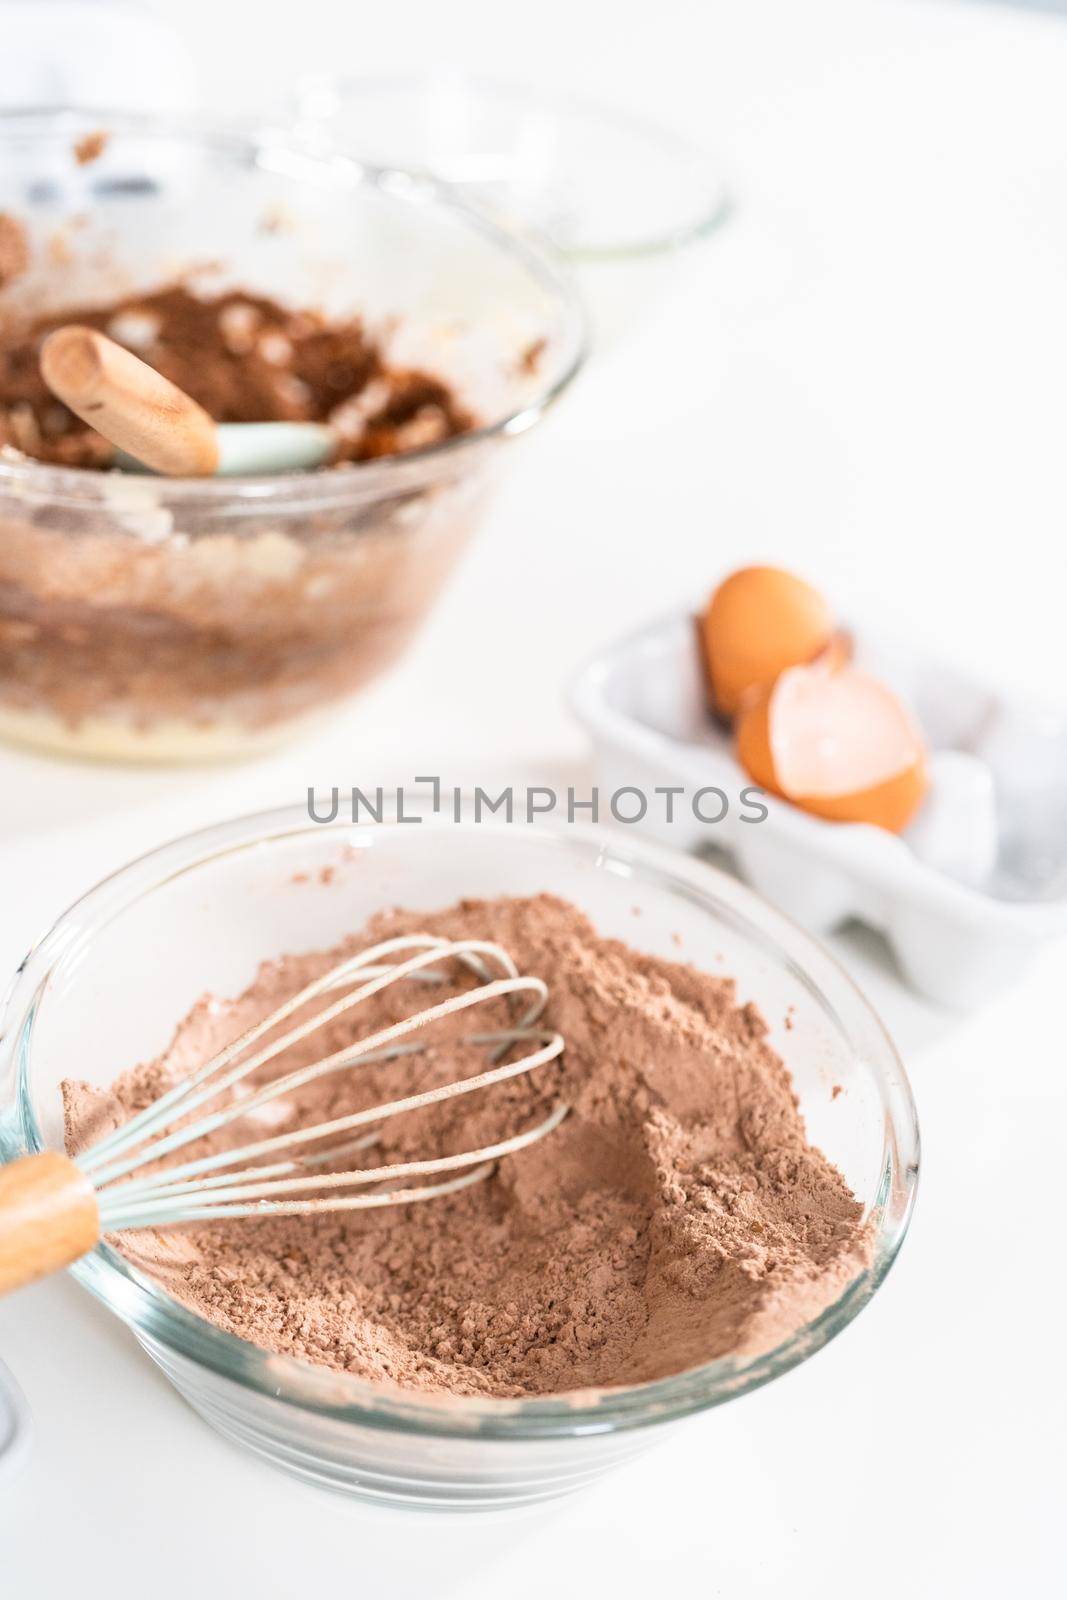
column 256, row 449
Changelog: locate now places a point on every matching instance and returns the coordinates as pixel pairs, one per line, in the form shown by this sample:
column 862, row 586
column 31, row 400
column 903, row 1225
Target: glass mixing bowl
column 621, row 197
column 106, row 986
column 152, row 619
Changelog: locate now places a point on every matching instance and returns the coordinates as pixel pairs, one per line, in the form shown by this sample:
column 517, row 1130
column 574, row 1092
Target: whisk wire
column 297, row 1208
column 350, row 1055
column 553, row 1046
column 152, row 1116
column 185, row 1192
column 159, row 1204
column 183, row 1098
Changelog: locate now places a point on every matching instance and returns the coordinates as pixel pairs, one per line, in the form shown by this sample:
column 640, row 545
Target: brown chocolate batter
column 678, row 1214
column 243, row 357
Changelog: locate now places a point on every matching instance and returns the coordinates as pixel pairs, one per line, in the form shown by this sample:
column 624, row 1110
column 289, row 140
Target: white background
column 863, row 378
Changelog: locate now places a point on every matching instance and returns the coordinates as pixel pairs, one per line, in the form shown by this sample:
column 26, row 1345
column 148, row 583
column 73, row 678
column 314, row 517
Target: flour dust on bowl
column 439, row 1374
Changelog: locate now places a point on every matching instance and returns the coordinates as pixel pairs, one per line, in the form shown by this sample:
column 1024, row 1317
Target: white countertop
column 863, row 378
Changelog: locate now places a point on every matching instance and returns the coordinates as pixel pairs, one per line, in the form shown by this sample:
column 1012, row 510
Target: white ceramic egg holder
column 965, row 897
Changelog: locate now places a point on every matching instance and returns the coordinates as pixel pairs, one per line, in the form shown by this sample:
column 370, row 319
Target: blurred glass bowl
column 619, row 196
column 147, row 619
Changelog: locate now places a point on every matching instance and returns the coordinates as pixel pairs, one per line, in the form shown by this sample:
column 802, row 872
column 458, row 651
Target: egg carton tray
column 966, row 897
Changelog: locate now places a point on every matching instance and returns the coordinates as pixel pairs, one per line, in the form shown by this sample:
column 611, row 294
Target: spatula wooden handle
column 48, row 1217
column 129, row 402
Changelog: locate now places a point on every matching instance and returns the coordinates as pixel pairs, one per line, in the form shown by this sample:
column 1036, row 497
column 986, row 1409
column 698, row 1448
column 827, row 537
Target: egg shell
column 760, row 621
column 889, row 803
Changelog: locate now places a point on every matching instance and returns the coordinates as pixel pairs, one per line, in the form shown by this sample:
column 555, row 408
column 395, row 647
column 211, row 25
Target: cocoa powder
column 678, row 1214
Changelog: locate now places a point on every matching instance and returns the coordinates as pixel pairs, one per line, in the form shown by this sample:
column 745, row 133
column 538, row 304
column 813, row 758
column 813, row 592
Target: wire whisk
column 54, row 1208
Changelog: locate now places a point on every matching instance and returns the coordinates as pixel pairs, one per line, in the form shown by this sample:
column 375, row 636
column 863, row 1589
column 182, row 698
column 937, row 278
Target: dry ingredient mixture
column 242, row 356
column 677, row 1215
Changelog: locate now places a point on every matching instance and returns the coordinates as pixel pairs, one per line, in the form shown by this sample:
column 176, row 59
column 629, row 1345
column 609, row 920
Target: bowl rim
column 158, row 1320
column 260, row 144
column 719, row 204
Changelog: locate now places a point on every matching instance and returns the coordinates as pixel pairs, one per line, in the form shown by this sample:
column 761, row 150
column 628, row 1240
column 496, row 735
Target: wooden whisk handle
column 129, row 402
column 48, row 1217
